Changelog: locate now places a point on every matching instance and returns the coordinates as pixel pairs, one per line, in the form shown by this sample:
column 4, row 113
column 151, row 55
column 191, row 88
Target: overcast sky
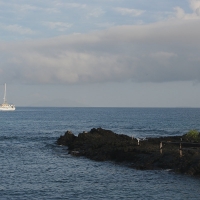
column 121, row 53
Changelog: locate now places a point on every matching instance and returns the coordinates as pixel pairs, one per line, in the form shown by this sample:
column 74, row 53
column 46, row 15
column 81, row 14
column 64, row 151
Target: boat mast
column 4, row 98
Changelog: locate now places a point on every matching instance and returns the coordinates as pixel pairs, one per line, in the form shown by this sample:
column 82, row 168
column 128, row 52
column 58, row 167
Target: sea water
column 33, row 166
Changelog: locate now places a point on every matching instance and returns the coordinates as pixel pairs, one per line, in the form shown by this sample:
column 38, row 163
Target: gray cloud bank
column 160, row 52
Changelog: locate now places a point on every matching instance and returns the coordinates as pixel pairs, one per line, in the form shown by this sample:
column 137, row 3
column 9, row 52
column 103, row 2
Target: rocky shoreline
column 175, row 153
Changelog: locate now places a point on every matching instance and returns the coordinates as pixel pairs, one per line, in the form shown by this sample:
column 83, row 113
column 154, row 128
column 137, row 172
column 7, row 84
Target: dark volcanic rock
column 101, row 145
column 66, row 139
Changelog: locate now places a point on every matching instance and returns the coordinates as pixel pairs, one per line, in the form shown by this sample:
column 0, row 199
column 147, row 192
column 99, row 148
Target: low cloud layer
column 158, row 52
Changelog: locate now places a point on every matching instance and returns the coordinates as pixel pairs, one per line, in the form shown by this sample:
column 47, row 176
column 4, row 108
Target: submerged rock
column 101, row 145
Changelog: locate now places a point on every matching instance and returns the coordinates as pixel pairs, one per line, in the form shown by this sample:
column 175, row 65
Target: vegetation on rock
column 193, row 135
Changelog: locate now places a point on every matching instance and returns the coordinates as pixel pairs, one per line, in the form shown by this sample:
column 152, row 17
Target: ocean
column 33, row 166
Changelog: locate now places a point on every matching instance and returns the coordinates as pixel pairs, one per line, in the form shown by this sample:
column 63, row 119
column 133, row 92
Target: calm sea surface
column 32, row 166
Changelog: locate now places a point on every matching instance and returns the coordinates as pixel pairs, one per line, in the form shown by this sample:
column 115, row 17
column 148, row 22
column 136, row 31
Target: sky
column 100, row 53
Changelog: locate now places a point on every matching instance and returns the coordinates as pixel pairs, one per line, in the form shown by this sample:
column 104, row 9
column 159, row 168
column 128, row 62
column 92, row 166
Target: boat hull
column 7, row 108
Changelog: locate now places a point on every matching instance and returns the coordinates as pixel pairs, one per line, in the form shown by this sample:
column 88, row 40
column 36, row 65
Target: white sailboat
column 5, row 106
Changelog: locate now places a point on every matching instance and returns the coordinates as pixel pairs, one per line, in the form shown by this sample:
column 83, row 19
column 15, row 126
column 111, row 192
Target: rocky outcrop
column 101, row 145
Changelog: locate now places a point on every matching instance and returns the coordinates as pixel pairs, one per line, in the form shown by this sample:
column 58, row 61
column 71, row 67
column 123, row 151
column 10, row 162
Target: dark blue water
column 32, row 166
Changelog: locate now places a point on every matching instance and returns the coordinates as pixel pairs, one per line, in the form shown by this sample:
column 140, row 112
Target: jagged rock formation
column 101, row 145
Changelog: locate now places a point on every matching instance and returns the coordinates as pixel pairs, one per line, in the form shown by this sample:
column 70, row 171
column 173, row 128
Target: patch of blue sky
column 35, row 19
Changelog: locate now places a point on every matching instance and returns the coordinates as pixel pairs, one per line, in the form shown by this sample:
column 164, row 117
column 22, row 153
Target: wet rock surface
column 173, row 153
